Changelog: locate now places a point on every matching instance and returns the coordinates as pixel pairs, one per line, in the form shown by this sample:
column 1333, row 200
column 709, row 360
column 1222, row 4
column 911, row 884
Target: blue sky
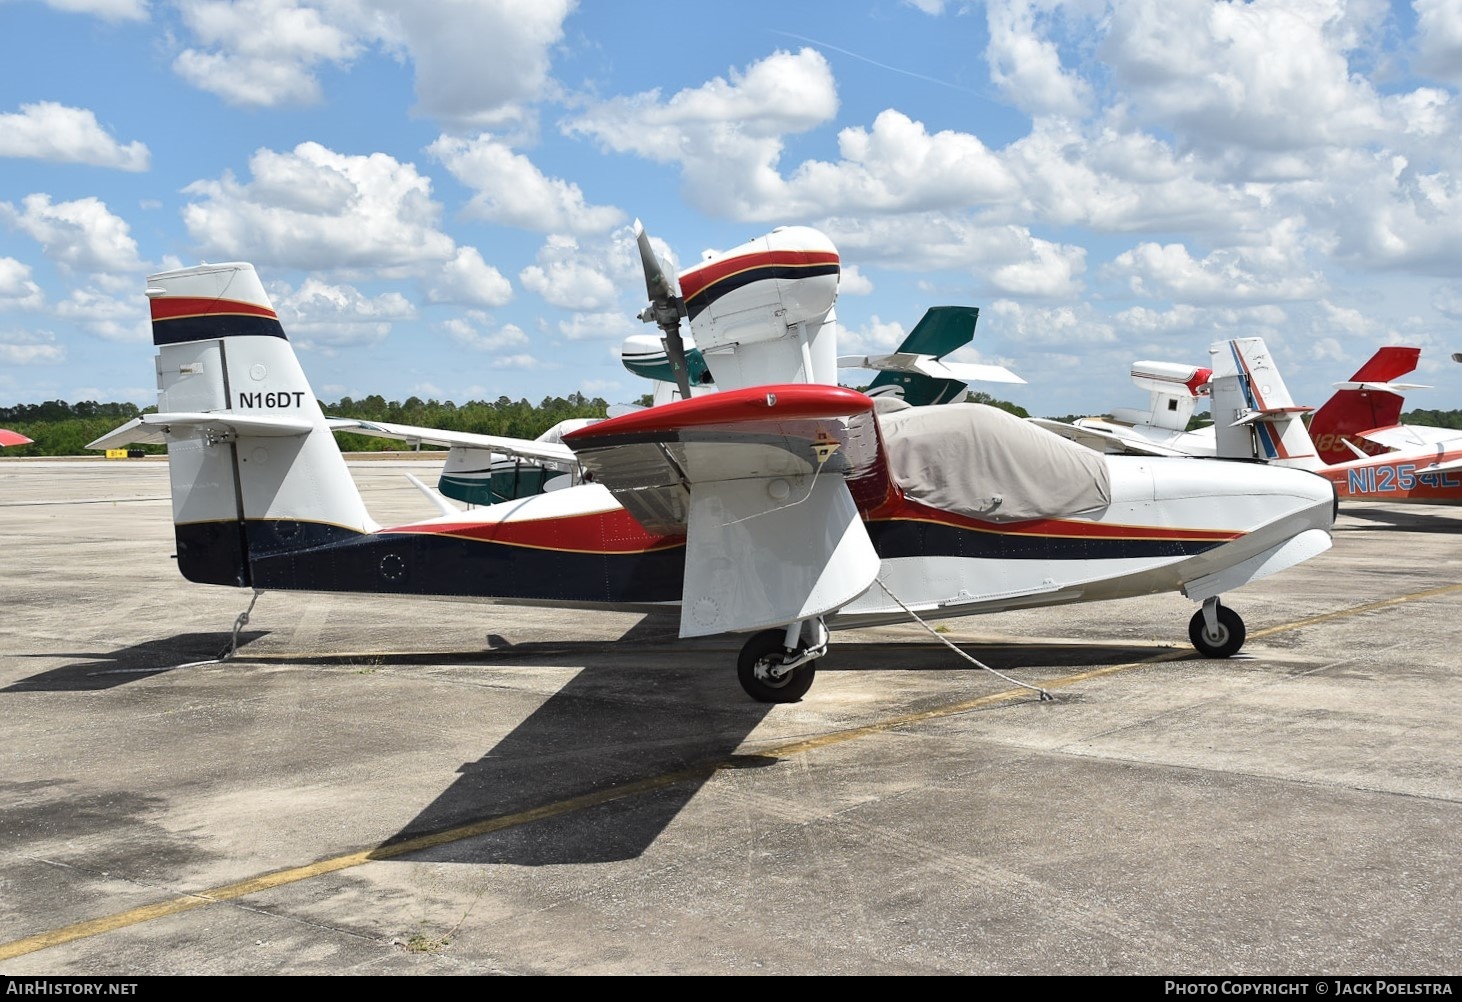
column 439, row 196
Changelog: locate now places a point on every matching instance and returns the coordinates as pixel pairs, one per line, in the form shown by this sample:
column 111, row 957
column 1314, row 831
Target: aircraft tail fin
column 1254, row 416
column 1368, row 400
column 255, row 468
column 917, row 373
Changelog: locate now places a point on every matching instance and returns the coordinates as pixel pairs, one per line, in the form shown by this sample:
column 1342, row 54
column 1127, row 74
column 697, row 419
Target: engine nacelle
column 763, row 312
column 1174, row 391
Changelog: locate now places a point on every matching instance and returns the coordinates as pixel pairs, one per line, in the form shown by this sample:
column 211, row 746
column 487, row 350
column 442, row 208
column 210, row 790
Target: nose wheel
column 1216, row 630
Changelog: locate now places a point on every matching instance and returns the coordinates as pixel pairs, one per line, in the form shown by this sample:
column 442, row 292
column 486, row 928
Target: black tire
column 1227, row 643
column 789, row 688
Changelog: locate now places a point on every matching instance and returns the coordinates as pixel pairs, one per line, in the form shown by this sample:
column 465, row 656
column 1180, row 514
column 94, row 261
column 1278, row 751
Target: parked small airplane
column 915, row 373
column 1255, row 418
column 779, row 506
column 1161, row 429
column 8, row 437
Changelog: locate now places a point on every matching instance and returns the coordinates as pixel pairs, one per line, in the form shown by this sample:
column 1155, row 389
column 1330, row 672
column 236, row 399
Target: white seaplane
column 780, row 506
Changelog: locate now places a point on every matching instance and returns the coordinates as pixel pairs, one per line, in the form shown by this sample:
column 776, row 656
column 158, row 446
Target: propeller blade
column 665, row 309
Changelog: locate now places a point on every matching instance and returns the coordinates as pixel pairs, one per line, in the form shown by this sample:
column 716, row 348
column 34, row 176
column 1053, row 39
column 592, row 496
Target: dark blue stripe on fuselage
column 695, row 304
column 910, row 538
column 303, row 556
column 180, row 330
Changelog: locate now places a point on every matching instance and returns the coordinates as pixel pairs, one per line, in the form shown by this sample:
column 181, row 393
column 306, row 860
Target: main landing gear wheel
column 1221, row 643
column 759, row 670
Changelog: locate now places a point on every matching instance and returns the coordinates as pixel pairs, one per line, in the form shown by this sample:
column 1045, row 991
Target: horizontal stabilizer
column 1268, row 414
column 1381, row 387
column 928, row 365
column 154, row 429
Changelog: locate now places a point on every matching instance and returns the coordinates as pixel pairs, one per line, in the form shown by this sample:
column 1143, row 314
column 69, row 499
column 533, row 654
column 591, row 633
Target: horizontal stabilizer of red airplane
column 8, row 437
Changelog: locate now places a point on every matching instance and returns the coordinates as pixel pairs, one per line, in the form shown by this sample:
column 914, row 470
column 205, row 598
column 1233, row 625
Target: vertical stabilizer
column 1369, row 400
column 1254, row 417
column 255, row 470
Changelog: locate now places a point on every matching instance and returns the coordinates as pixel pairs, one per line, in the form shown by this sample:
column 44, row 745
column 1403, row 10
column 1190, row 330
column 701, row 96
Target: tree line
column 57, row 428
column 61, row 429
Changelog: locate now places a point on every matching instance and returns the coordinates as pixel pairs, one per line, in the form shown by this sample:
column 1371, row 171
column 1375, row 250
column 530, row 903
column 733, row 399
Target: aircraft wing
column 8, row 437
column 548, row 452
column 761, row 481
column 1105, row 441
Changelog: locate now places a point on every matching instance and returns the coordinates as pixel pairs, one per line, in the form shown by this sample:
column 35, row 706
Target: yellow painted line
column 1358, row 610
column 280, row 878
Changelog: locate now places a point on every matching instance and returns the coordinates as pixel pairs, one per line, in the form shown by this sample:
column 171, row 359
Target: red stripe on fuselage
column 613, row 531
column 174, row 307
column 695, row 281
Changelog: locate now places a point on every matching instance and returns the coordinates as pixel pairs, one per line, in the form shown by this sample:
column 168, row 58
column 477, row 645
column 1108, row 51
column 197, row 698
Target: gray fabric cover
column 982, row 462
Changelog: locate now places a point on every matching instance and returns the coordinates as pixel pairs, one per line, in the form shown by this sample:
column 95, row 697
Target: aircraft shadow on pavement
column 151, row 657
column 667, row 726
column 1410, row 521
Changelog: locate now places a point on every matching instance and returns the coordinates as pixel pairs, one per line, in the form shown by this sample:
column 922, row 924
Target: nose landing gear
column 1216, row 630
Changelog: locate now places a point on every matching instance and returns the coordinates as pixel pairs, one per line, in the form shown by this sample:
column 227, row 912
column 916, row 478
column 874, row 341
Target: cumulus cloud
column 875, row 337
column 469, row 280
column 726, row 134
column 475, row 63
column 316, row 209
column 475, row 332
column 568, row 278
column 107, row 10
column 1439, row 38
column 30, row 348
column 897, row 166
column 1002, row 259
column 82, row 236
column 107, row 316
column 18, row 291
column 1054, row 326
column 1271, row 271
column 1264, row 75
column 600, row 326
column 263, row 52
column 50, row 131
column 327, row 318
column 511, row 191
column 478, row 64
column 1026, row 64
column 852, row 281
